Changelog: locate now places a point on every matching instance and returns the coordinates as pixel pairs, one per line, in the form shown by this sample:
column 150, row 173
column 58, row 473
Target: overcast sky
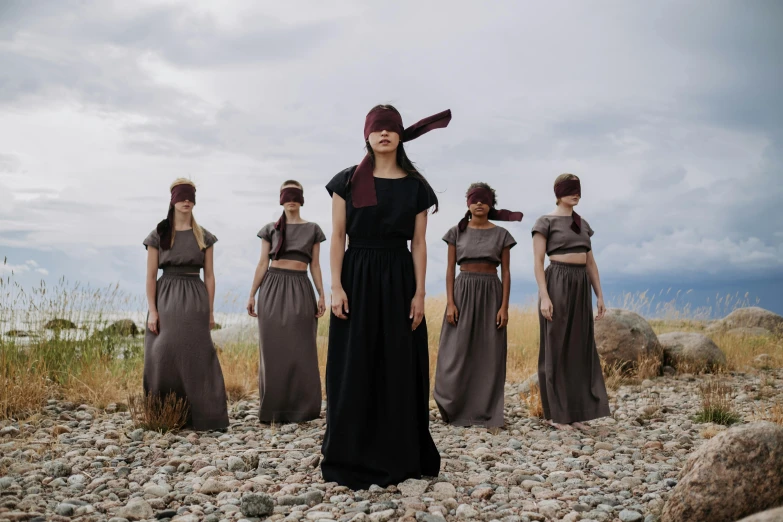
column 670, row 112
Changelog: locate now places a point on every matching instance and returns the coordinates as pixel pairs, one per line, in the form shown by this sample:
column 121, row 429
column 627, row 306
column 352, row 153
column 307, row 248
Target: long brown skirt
column 471, row 370
column 182, row 358
column 569, row 369
column 289, row 384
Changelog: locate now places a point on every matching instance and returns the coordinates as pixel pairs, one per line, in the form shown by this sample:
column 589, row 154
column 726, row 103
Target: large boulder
column 624, row 337
column 749, row 331
column 245, row 332
column 770, row 515
column 60, row 324
column 735, row 474
column 752, row 317
column 691, row 351
column 123, row 327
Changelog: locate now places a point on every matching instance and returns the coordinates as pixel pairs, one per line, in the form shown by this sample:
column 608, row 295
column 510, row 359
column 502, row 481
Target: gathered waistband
column 378, row 243
column 182, row 270
column 478, row 274
column 288, row 271
column 572, row 266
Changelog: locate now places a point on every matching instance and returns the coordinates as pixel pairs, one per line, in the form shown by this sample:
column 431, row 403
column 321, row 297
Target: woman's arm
column 209, row 280
column 505, row 275
column 539, row 252
column 595, row 281
column 336, row 255
column 419, row 253
column 452, row 313
column 152, row 290
column 315, row 271
column 261, row 269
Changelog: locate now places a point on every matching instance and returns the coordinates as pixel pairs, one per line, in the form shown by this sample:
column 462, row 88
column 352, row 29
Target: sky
column 670, row 113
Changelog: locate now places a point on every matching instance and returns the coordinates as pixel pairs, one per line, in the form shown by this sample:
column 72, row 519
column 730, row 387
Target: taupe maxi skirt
column 471, row 370
column 569, row 369
column 182, row 358
column 289, row 384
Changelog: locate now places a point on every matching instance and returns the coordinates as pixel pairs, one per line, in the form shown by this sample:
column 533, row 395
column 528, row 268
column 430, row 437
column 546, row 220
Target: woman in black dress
column 377, row 369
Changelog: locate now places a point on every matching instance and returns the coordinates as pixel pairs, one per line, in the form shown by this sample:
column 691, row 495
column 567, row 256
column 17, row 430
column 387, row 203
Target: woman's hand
column 211, row 321
column 321, row 307
column 417, row 311
column 601, row 309
column 340, row 303
column 251, row 306
column 546, row 308
column 502, row 318
column 153, row 322
column 452, row 314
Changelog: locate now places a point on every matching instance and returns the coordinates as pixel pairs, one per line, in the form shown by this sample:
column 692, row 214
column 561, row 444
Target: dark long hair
column 403, row 161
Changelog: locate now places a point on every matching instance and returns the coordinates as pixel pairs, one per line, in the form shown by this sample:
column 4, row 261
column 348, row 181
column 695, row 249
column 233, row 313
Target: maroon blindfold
column 362, row 183
column 287, row 195
column 571, row 187
column 179, row 193
column 482, row 195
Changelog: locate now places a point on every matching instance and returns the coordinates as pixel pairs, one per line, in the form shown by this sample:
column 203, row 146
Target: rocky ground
column 74, row 462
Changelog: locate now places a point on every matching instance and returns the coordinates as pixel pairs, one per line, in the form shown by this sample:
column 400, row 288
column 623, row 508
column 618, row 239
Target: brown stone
column 624, row 337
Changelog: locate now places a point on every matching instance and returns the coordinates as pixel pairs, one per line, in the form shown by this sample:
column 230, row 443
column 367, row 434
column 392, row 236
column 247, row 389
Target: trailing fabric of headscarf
column 287, row 195
column 483, row 195
column 182, row 192
column 571, row 187
column 362, row 182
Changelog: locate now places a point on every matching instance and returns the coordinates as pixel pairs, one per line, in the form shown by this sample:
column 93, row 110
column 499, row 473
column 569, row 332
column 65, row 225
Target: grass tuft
column 151, row 413
column 716, row 404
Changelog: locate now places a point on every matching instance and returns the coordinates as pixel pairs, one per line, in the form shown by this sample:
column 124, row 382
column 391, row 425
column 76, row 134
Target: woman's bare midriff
column 482, row 268
column 289, row 264
column 573, row 259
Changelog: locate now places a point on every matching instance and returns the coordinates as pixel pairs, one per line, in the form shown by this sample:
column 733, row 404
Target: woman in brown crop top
column 289, row 382
column 471, row 370
column 569, row 369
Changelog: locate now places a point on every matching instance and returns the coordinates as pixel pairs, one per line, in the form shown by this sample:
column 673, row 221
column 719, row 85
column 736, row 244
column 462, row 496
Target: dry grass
column 770, row 412
column 22, row 393
column 149, row 412
column 533, row 401
column 716, row 403
column 101, row 384
column 240, row 372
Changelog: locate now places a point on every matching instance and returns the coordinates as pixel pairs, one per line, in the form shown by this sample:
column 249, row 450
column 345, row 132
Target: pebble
column 630, row 516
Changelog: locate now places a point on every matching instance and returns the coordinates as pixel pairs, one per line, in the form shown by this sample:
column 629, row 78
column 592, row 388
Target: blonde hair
column 198, row 232
column 564, row 177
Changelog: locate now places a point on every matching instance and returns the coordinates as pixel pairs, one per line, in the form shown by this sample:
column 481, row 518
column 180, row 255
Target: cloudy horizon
column 670, row 113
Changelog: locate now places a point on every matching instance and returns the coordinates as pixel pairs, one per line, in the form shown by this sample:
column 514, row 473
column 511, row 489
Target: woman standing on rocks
column 289, row 384
column 569, row 370
column 471, row 370
column 179, row 356
column 377, row 370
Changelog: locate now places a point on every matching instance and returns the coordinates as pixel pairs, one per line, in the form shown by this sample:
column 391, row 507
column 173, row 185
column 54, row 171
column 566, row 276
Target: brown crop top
column 560, row 238
column 185, row 251
column 479, row 245
column 299, row 240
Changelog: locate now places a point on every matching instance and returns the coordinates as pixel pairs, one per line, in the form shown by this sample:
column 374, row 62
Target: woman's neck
column 386, row 166
column 563, row 209
column 479, row 222
column 183, row 220
column 293, row 216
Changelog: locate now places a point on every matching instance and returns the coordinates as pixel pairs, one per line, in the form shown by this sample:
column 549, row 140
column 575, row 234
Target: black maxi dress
column 377, row 369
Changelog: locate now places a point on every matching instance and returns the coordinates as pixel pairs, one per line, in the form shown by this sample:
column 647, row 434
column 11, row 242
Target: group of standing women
column 377, row 370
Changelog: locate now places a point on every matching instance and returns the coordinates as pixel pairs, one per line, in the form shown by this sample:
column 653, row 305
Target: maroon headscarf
column 182, row 192
column 483, row 195
column 287, row 195
column 571, row 187
column 362, row 183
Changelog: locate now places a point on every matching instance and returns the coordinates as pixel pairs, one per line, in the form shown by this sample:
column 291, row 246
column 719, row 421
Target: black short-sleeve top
column 399, row 201
column 479, row 245
column 185, row 251
column 299, row 240
column 560, row 238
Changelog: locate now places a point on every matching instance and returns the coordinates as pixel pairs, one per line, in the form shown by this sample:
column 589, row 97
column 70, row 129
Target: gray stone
column 236, row 464
column 136, row 509
column 627, row 515
column 692, row 351
column 65, row 510
column 57, row 468
column 413, row 487
column 624, row 337
column 257, row 505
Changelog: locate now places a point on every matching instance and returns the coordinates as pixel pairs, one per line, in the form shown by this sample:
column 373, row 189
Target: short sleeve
column 508, row 240
column 339, row 184
column 266, row 232
column 541, row 226
column 426, row 197
column 451, row 236
column 589, row 228
column 209, row 238
column 319, row 236
column 152, row 240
